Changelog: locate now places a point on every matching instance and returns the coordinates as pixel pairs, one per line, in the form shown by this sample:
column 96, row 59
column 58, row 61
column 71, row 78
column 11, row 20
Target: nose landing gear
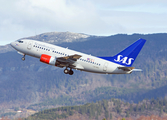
column 70, row 72
column 23, row 58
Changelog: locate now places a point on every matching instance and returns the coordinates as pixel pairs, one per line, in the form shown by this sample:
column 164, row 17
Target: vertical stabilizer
column 128, row 55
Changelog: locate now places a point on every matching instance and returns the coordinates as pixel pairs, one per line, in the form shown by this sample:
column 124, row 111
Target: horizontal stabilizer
column 126, row 68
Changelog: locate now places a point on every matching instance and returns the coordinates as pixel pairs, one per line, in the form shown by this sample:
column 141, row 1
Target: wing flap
column 71, row 57
column 68, row 61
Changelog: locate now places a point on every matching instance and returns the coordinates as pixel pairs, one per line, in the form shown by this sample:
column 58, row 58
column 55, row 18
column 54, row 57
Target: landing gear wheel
column 71, row 72
column 66, row 71
column 23, row 58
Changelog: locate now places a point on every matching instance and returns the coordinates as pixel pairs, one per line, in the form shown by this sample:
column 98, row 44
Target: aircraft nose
column 12, row 44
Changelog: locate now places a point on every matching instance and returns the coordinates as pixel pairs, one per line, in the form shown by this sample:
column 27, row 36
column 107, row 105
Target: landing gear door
column 29, row 45
column 105, row 66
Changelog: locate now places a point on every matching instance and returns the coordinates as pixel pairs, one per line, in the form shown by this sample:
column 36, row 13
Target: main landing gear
column 23, row 58
column 70, row 72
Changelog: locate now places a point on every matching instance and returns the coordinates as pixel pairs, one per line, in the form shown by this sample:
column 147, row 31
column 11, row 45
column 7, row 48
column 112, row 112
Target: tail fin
column 128, row 55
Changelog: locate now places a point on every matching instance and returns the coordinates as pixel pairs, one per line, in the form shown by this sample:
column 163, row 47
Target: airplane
column 120, row 63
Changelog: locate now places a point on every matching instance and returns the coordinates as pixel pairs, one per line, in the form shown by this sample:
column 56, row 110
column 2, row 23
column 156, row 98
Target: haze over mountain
column 35, row 85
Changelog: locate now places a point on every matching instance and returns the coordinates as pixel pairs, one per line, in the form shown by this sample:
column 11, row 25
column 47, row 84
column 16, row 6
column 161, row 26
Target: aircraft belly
column 92, row 68
column 109, row 67
column 34, row 53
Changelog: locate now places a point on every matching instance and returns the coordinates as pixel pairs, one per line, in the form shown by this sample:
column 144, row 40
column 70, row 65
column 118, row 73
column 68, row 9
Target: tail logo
column 124, row 60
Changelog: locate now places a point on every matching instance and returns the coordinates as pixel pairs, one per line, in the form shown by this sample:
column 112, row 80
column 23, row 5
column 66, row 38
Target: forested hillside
column 111, row 110
column 34, row 85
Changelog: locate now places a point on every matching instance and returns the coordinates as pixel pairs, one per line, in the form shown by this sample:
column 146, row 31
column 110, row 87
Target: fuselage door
column 105, row 66
column 29, row 45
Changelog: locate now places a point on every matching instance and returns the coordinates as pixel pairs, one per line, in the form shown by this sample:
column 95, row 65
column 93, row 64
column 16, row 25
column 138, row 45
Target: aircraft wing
column 69, row 61
column 69, row 58
column 72, row 57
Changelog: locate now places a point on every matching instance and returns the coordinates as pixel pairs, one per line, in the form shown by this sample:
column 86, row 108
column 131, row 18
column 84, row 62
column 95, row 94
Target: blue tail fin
column 128, row 55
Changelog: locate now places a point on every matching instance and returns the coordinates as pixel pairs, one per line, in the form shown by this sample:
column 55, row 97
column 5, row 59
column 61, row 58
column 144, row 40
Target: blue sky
column 24, row 18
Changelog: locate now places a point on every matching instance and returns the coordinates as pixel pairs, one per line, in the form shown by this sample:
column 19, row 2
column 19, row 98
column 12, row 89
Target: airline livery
column 70, row 59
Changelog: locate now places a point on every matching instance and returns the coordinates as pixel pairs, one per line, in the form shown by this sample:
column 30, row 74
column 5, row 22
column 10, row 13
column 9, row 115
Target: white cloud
column 23, row 18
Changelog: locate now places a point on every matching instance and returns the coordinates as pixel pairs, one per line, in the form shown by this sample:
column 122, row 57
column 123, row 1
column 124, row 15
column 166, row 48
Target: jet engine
column 48, row 59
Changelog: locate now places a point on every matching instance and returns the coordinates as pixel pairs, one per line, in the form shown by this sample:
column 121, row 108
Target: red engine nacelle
column 48, row 59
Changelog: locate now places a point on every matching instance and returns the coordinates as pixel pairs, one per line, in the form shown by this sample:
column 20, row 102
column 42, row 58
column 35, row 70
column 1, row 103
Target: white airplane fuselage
column 86, row 62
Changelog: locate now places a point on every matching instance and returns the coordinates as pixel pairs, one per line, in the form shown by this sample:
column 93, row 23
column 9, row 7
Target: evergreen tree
column 131, row 108
column 96, row 117
column 110, row 116
column 142, row 108
column 106, row 114
column 136, row 108
column 127, row 114
column 161, row 111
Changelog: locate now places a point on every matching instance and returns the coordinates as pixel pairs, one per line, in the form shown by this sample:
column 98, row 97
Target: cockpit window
column 20, row 41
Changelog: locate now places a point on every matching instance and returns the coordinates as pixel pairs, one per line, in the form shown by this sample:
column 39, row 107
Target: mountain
column 54, row 38
column 61, row 37
column 35, row 85
column 6, row 48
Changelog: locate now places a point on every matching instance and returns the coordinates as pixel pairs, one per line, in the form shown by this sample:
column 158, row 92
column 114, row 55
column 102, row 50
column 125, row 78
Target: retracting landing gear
column 23, row 58
column 70, row 72
column 66, row 71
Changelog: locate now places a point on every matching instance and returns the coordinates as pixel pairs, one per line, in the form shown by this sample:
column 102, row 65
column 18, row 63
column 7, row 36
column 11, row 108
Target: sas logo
column 124, row 60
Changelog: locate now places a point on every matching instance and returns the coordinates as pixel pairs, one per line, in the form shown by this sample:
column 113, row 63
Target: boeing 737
column 61, row 57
